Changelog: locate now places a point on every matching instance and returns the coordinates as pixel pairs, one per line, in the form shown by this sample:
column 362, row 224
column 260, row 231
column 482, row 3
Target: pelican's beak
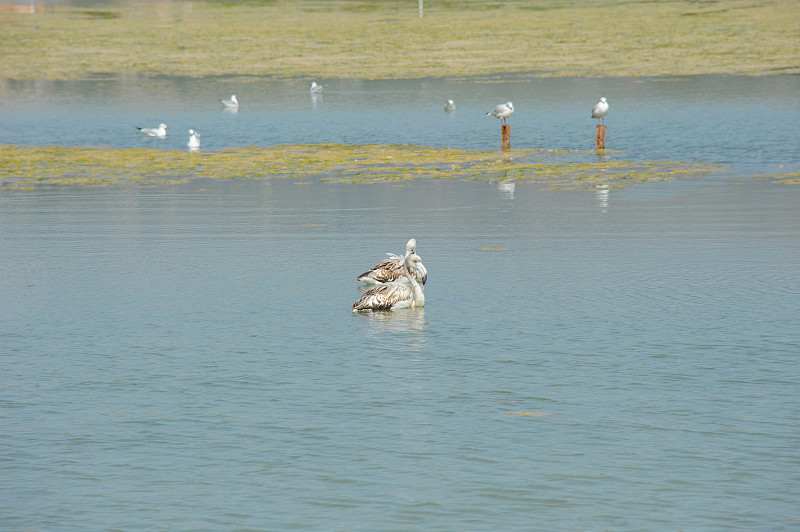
column 422, row 273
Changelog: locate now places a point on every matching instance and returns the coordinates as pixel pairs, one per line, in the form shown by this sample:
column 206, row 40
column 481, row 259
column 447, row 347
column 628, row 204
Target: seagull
column 395, row 295
column 502, row 111
column 233, row 103
column 600, row 110
column 390, row 269
column 316, row 89
column 450, row 106
column 194, row 139
column 160, row 132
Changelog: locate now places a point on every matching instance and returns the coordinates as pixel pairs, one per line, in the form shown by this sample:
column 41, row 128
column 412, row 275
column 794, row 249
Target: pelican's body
column 395, row 295
column 391, row 268
column 160, row 131
column 450, row 106
column 316, row 89
column 502, row 111
column 600, row 110
column 194, row 139
column 233, row 103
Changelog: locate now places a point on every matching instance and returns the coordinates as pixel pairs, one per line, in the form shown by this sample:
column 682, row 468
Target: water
column 184, row 357
column 716, row 119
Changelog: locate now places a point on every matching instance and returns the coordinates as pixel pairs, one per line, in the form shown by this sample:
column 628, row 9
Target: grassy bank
column 387, row 39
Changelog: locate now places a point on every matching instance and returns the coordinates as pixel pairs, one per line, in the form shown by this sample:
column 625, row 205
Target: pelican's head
column 422, row 273
column 413, row 265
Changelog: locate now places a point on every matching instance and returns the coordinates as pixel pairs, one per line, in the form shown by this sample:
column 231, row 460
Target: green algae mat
column 25, row 168
column 388, row 39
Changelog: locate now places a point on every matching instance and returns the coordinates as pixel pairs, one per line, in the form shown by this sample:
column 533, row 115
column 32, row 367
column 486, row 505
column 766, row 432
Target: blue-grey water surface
column 185, row 358
column 715, row 119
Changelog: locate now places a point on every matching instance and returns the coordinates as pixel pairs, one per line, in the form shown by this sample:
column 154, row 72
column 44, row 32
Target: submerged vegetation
column 369, row 40
column 31, row 167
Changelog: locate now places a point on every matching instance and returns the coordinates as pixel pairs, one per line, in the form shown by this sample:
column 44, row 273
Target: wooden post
column 600, row 137
column 505, row 137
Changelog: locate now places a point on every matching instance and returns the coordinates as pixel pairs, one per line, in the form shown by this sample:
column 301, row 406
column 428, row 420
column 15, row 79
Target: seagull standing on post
column 502, row 111
column 600, row 110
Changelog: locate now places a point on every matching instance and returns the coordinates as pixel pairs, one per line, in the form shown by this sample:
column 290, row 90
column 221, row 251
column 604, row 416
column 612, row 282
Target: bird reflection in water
column 601, row 193
column 506, row 189
column 406, row 326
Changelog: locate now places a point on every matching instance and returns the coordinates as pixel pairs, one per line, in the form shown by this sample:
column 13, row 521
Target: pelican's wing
column 384, row 297
column 385, row 271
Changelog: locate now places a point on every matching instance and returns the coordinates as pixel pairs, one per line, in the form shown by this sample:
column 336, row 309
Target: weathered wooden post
column 600, row 137
column 505, row 137
column 502, row 112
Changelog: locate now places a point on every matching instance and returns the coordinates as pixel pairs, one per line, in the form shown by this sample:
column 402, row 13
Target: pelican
column 316, row 89
column 161, row 131
column 450, row 106
column 194, row 139
column 600, row 110
column 502, row 111
column 233, row 103
column 391, row 268
column 395, row 295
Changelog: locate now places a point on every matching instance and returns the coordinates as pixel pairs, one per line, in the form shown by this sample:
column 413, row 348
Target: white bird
column 391, row 268
column 395, row 295
column 450, row 106
column 233, row 103
column 600, row 110
column 316, row 89
column 194, row 139
column 161, row 131
column 502, row 111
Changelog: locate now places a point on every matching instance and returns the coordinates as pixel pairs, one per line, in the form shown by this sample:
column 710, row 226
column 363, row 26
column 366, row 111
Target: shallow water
column 185, row 357
column 737, row 120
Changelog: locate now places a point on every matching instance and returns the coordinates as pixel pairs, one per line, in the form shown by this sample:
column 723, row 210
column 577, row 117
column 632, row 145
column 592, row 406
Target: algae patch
column 787, row 178
column 31, row 167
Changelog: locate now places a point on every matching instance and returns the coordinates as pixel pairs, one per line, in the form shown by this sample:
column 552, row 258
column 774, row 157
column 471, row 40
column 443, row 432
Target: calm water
column 717, row 119
column 185, row 357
